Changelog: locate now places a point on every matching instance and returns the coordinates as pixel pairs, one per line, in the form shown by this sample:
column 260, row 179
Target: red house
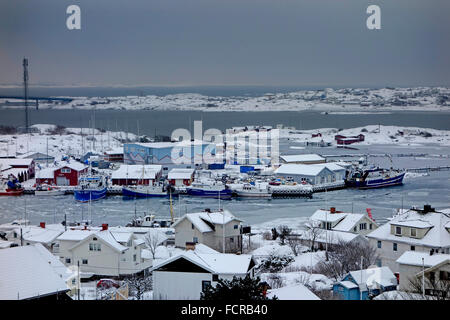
column 180, row 176
column 66, row 175
column 22, row 169
column 343, row 140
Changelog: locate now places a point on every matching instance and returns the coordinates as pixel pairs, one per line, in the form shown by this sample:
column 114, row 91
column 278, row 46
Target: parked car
column 107, row 284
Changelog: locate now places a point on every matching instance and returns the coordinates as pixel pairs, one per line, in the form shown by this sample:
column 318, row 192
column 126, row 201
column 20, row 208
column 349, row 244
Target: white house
column 412, row 230
column 186, row 275
column 413, row 264
column 342, row 221
column 210, row 228
column 181, row 176
column 136, row 174
column 103, row 252
column 31, row 272
column 313, row 174
column 29, row 234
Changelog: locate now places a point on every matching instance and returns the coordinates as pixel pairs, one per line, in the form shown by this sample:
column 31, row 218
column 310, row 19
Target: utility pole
column 78, row 280
column 361, row 267
column 25, row 91
column 423, row 278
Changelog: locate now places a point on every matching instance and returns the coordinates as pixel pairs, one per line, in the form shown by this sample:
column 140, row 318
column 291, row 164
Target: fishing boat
column 253, row 191
column 48, row 190
column 209, row 190
column 91, row 188
column 144, row 191
column 10, row 186
column 374, row 178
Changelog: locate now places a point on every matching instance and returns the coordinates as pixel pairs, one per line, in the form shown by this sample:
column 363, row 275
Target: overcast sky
column 226, row 42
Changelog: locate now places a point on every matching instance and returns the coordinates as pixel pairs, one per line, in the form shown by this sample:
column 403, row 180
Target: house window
column 354, row 229
column 84, row 261
column 205, row 285
column 370, row 226
column 215, row 277
column 398, row 230
column 68, row 260
column 235, row 226
column 378, row 262
column 379, row 244
column 134, row 257
column 362, row 226
column 192, row 225
column 231, row 240
column 394, row 246
column 413, row 232
column 413, row 248
column 195, row 240
column 15, row 234
column 328, row 225
column 95, row 247
column 65, row 170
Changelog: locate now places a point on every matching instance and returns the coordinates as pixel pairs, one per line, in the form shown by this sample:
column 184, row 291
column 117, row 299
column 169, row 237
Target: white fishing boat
column 144, row 191
column 48, row 190
column 254, row 191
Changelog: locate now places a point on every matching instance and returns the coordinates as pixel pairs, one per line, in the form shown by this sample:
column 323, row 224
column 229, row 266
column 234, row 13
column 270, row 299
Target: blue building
column 368, row 282
column 169, row 153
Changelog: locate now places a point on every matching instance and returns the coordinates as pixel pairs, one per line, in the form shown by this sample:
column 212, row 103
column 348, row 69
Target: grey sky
column 226, row 42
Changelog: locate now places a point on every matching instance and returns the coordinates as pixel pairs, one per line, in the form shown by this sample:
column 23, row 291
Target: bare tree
column 313, row 231
column 138, row 285
column 345, row 256
column 295, row 244
column 435, row 289
column 283, row 232
column 152, row 241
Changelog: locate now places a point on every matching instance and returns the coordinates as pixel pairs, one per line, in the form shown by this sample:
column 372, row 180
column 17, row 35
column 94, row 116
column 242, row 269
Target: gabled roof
column 302, row 157
column 374, row 277
column 348, row 223
column 75, row 165
column 205, row 221
column 179, row 173
column 83, row 235
column 292, row 292
column 47, row 173
column 437, row 236
column 300, row 169
column 133, row 171
column 325, row 215
column 25, row 273
column 414, row 258
column 218, row 263
column 38, row 234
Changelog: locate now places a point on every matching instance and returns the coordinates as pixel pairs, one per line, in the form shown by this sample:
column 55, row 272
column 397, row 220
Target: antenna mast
column 25, row 91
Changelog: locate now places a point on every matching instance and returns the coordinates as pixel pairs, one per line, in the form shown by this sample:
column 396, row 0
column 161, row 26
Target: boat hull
column 11, row 192
column 127, row 192
column 244, row 194
column 377, row 183
column 224, row 194
column 89, row 194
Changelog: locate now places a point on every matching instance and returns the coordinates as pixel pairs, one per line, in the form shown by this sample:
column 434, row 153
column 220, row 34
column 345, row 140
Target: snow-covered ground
column 348, row 100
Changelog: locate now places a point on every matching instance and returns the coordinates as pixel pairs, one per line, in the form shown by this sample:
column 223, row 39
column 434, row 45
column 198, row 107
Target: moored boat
column 209, row 190
column 253, row 191
column 144, row 191
column 91, row 188
column 10, row 187
column 48, row 190
column 374, row 178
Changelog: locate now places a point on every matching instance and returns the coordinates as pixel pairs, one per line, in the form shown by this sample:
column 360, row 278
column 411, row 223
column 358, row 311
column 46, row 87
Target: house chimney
column 190, row 246
column 42, row 225
column 208, row 210
column 332, row 210
column 104, row 226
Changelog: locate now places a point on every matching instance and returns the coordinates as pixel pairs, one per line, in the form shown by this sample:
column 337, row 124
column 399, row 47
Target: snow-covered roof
column 419, row 224
column 292, row 292
column 38, row 234
column 202, row 248
column 15, row 162
column 75, row 165
column 75, row 235
column 80, row 235
column 349, row 222
column 326, row 215
column 25, row 272
column 218, row 263
column 348, row 284
column 14, row 171
column 122, row 236
column 332, row 236
column 148, row 171
column 201, row 219
column 437, row 236
column 107, row 237
column 118, row 150
column 332, row 166
column 414, row 258
column 302, row 158
column 47, row 173
column 373, row 277
column 300, row 169
column 179, row 173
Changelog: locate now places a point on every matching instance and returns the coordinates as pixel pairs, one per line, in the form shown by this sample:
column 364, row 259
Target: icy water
column 432, row 189
column 164, row 122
